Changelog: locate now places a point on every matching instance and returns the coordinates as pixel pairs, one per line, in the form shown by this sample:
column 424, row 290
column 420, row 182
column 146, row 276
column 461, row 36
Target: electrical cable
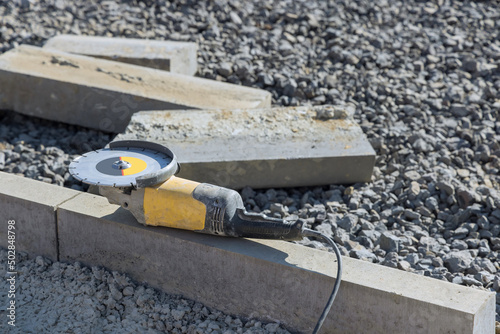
column 149, row 164
column 311, row 233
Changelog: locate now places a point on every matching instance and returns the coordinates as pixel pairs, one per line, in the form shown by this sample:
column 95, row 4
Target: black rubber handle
column 252, row 225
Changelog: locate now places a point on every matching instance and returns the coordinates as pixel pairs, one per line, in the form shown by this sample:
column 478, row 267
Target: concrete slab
column 176, row 57
column 32, row 205
column 104, row 94
column 268, row 279
column 278, row 147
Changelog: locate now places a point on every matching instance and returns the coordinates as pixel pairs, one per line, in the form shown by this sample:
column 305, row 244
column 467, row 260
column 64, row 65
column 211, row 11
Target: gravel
column 42, row 150
column 71, row 298
column 424, row 78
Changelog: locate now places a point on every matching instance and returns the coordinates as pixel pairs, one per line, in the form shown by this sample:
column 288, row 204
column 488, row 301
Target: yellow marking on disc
column 171, row 204
column 136, row 165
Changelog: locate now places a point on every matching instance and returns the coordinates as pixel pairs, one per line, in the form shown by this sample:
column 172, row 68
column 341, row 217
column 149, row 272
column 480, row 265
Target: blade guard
column 152, row 178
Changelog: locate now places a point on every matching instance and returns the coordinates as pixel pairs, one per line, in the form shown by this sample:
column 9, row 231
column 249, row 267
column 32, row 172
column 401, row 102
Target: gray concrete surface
column 103, row 94
column 176, row 57
column 268, row 279
column 273, row 147
column 32, row 205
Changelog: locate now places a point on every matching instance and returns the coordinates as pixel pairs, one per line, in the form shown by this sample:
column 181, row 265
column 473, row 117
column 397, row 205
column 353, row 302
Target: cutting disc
column 128, row 163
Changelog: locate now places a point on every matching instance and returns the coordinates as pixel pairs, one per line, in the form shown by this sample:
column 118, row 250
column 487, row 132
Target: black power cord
column 311, row 233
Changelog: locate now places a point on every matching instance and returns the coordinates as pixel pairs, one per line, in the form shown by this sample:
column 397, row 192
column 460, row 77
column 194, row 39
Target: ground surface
column 69, row 298
column 425, row 81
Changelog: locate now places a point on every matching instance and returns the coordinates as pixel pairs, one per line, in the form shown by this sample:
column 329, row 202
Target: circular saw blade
column 128, row 163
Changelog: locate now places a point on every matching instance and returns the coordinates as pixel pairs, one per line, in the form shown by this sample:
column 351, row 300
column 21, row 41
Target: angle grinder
column 140, row 176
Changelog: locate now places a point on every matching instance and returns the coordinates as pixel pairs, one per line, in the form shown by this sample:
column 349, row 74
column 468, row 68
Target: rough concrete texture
column 103, row 94
column 31, row 204
column 268, row 279
column 176, row 57
column 278, row 147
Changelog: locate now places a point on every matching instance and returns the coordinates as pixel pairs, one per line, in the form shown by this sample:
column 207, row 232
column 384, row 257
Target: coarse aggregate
column 423, row 77
column 55, row 297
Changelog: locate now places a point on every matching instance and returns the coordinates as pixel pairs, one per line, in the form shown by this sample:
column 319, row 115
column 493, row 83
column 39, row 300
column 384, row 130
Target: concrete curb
column 258, row 278
column 261, row 148
column 32, row 205
column 103, row 94
column 175, row 57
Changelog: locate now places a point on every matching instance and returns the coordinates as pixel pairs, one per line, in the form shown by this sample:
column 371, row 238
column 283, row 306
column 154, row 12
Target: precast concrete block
column 103, row 94
column 175, row 57
column 267, row 279
column 30, row 206
column 261, row 148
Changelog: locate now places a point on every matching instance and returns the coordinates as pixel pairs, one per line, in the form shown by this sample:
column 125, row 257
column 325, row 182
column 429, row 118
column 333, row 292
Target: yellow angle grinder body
column 140, row 176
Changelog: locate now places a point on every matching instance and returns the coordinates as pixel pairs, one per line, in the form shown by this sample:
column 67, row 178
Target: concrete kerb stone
column 103, row 94
column 176, row 57
column 273, row 147
column 32, row 206
column 268, row 279
column 253, row 278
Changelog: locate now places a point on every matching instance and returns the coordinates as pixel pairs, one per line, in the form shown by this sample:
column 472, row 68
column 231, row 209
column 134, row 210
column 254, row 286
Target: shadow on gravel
column 39, row 133
column 42, row 150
